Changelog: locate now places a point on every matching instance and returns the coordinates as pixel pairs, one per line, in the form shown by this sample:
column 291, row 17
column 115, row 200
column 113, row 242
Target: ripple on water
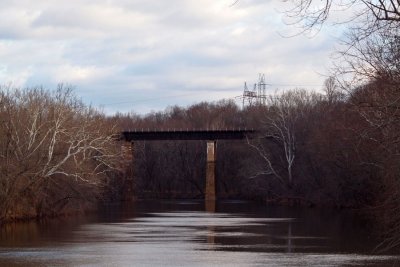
column 192, row 238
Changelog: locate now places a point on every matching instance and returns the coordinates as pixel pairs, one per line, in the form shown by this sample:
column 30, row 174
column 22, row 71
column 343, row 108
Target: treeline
column 316, row 149
column 57, row 155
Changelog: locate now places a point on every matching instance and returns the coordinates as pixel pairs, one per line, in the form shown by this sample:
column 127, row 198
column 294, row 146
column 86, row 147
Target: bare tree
column 332, row 90
column 282, row 125
column 51, row 142
column 369, row 15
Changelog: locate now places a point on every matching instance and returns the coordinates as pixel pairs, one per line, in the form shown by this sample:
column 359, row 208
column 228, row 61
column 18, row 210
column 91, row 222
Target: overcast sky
column 143, row 55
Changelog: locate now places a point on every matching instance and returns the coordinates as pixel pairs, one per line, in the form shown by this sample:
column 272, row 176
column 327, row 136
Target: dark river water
column 187, row 233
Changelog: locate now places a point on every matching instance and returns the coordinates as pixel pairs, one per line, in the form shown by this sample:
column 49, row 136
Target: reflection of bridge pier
column 211, row 136
column 289, row 238
column 210, row 206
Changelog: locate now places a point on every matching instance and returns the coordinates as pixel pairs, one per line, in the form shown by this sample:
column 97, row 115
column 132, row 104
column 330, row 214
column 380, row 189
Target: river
column 190, row 233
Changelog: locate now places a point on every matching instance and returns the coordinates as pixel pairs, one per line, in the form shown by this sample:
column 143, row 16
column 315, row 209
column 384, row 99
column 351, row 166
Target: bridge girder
column 187, row 135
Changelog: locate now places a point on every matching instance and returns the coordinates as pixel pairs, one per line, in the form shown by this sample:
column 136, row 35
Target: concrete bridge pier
column 210, row 172
column 127, row 150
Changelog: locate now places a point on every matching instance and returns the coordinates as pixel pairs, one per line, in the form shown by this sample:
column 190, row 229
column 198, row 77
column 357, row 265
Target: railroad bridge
column 211, row 136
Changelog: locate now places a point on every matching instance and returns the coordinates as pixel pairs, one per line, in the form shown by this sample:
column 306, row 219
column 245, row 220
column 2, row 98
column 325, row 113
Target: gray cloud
column 133, row 51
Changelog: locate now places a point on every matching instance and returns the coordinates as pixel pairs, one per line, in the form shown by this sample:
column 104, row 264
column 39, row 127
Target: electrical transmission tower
column 257, row 96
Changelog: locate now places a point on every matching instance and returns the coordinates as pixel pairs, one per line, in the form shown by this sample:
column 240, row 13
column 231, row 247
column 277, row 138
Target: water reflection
column 192, row 233
column 210, row 205
column 289, row 237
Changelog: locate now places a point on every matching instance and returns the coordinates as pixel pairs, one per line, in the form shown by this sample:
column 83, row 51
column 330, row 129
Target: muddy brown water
column 190, row 233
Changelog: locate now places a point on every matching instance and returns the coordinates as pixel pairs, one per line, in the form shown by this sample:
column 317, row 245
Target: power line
column 149, row 99
column 296, row 85
column 196, row 94
column 257, row 95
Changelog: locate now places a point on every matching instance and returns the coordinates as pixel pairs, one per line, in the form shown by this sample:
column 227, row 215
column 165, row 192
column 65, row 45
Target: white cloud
column 128, row 50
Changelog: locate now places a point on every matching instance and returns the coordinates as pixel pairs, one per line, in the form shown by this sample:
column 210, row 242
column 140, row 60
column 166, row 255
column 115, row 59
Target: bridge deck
column 187, row 135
